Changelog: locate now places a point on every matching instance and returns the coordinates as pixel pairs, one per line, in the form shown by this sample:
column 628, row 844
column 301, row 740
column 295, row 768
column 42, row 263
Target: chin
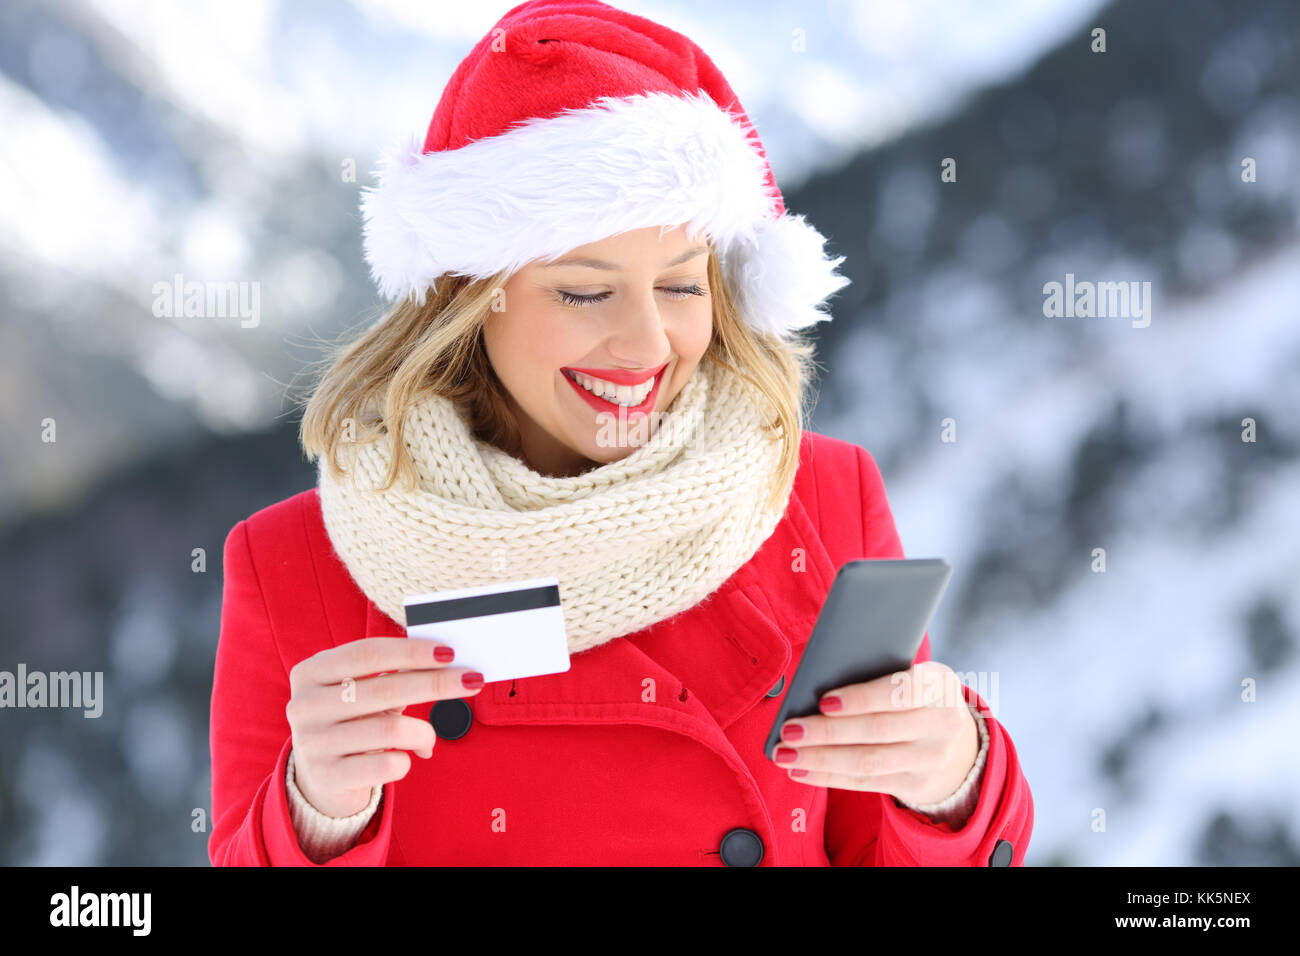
column 606, row 455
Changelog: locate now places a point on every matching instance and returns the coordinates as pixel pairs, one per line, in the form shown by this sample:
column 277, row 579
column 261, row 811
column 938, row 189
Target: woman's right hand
column 349, row 732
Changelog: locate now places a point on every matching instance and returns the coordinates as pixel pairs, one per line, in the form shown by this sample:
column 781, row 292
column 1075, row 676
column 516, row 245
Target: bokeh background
column 214, row 140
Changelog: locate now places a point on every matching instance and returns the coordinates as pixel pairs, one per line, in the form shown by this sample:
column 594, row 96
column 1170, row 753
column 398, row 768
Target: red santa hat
column 570, row 122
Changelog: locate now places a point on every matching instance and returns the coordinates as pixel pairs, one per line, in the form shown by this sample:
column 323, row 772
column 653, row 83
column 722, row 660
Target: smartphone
column 871, row 624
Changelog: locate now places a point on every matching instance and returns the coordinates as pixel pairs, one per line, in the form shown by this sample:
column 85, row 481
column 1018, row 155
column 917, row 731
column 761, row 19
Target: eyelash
column 568, row 298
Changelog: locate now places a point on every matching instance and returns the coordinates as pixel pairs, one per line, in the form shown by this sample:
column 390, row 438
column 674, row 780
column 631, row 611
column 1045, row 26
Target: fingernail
column 795, row 772
column 792, row 732
column 472, row 680
column 786, row 755
column 832, row 704
column 442, row 653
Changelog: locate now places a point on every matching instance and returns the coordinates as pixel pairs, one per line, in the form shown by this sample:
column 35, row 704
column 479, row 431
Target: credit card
column 503, row 631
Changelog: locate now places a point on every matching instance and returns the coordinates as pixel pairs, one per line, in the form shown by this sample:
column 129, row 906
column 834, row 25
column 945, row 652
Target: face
column 590, row 351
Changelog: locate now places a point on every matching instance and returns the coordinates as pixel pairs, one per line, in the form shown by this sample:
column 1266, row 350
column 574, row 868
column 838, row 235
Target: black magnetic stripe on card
column 481, row 605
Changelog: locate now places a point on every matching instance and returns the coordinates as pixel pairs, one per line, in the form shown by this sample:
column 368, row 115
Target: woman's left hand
column 909, row 734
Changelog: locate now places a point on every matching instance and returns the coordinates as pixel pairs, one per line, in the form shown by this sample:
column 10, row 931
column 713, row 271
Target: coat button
column 776, row 691
column 1001, row 855
column 741, row 847
column 451, row 718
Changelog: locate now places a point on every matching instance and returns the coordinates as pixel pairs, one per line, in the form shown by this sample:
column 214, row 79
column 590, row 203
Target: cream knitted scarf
column 632, row 542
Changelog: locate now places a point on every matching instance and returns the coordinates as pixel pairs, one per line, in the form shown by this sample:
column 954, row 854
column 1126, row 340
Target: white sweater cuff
column 321, row 836
column 957, row 808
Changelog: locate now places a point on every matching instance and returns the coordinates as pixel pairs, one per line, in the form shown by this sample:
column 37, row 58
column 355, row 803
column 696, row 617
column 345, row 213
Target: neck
column 542, row 453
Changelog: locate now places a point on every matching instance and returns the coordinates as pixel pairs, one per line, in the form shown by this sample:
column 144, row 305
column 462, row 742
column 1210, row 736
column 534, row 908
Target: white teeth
column 617, row 394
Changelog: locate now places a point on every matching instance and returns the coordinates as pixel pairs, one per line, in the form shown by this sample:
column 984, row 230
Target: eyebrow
column 602, row 264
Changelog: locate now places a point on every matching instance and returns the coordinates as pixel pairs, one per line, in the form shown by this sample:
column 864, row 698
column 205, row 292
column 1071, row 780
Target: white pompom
column 779, row 274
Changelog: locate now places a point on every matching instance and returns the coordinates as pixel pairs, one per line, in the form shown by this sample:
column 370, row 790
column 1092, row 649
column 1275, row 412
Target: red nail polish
column 472, row 680
column 796, row 772
column 792, row 732
column 442, row 654
column 786, row 755
column 832, row 704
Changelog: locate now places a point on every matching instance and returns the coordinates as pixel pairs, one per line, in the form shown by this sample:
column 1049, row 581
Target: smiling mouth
column 602, row 404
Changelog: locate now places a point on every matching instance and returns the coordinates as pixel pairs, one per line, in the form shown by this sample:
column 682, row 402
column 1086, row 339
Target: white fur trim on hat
column 549, row 185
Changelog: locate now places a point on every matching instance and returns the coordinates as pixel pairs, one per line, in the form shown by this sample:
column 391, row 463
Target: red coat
column 578, row 768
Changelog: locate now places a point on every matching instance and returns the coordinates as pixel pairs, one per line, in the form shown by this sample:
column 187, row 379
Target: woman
column 596, row 373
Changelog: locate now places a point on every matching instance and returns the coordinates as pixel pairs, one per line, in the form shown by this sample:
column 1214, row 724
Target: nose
column 639, row 339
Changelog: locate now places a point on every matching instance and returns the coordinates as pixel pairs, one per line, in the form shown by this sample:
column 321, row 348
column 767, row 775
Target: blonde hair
column 415, row 350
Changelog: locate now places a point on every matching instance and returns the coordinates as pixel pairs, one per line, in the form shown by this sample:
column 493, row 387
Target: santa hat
column 570, row 122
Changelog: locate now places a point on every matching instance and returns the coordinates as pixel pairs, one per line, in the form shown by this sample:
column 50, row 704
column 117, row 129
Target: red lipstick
column 601, row 405
column 617, row 375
